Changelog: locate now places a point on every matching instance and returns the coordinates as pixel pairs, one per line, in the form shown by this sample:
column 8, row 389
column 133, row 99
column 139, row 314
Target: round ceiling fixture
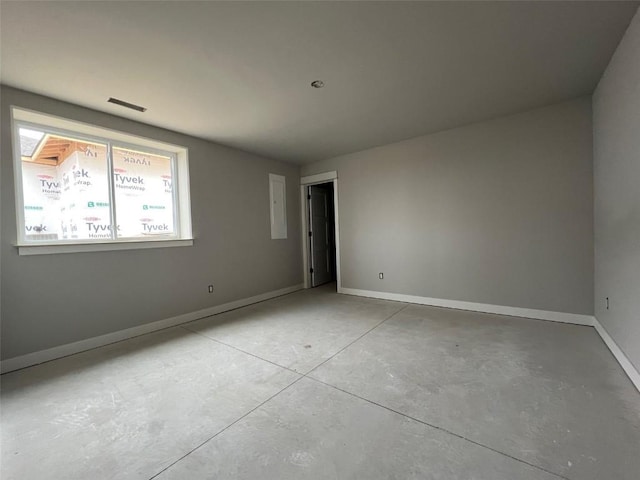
column 317, row 84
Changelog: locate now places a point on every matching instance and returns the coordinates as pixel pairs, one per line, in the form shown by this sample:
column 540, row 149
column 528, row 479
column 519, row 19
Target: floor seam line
column 240, row 350
column 301, row 376
column 442, row 429
column 359, row 338
column 307, row 375
column 226, row 428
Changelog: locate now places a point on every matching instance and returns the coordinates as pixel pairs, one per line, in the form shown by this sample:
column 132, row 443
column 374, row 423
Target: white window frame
column 182, row 235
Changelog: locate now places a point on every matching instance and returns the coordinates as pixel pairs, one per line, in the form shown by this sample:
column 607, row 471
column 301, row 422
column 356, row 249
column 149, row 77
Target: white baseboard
column 41, row 356
column 576, row 319
column 619, row 355
column 35, row 358
column 563, row 317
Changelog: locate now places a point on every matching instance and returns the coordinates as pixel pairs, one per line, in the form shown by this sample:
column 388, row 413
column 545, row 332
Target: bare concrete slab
column 547, row 393
column 312, row 431
column 392, row 391
column 128, row 410
column 298, row 331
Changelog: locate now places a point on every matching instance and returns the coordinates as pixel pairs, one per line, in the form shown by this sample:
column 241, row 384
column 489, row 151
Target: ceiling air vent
column 122, row 103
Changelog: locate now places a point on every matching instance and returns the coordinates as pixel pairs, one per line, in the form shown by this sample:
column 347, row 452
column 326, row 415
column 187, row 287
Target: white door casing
column 306, row 260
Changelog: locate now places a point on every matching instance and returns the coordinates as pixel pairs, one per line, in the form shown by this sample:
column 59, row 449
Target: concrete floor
column 316, row 385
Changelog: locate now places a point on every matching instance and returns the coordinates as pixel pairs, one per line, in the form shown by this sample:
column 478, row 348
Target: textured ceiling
column 239, row 73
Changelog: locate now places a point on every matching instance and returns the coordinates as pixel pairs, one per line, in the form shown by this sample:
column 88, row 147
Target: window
column 80, row 185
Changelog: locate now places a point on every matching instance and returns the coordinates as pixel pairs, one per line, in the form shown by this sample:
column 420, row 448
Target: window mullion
column 112, row 196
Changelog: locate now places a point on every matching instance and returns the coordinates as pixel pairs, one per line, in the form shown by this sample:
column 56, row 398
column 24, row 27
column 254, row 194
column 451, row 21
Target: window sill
column 99, row 247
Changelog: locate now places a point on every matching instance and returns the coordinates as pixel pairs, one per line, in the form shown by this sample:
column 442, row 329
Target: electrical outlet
column 607, row 299
column 210, row 288
column 381, row 276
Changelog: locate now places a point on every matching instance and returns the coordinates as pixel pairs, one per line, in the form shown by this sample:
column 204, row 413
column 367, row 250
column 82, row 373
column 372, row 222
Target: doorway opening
column 322, row 234
column 320, row 230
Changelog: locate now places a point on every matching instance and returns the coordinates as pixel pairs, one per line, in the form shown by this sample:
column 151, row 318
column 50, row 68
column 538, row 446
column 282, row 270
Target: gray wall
column 49, row 300
column 497, row 212
column 616, row 117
